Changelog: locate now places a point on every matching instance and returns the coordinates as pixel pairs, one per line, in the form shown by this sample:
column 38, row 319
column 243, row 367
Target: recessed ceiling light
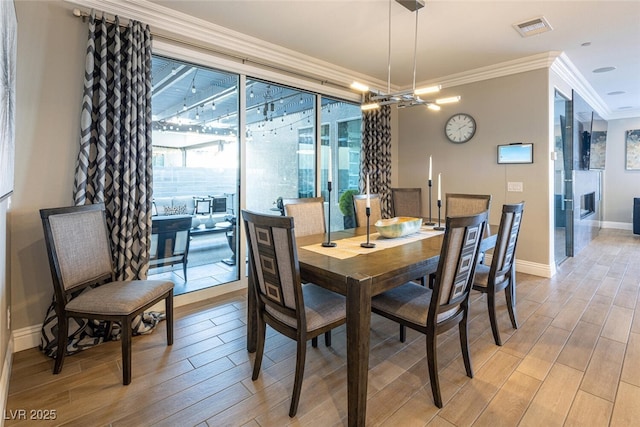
column 617, row 92
column 585, row 44
column 604, row 69
column 625, row 108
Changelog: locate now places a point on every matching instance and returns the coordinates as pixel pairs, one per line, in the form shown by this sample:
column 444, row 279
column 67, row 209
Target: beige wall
column 507, row 109
column 51, row 44
column 620, row 185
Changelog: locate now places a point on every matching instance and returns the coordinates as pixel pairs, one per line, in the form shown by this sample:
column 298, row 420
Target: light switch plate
column 514, row 186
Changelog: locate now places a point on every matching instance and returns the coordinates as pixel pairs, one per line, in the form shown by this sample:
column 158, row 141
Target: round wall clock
column 460, row 128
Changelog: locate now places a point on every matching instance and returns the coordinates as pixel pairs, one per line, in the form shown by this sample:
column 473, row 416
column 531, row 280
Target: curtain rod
column 243, row 60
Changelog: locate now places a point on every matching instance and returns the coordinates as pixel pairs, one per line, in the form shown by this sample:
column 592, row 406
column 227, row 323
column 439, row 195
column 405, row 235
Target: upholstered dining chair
column 84, row 281
column 500, row 275
column 360, row 206
column 308, row 214
column 296, row 311
column 434, row 311
column 467, row 204
column 407, row 202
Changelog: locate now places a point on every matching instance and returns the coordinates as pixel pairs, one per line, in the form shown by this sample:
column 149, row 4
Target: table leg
column 358, row 323
column 252, row 325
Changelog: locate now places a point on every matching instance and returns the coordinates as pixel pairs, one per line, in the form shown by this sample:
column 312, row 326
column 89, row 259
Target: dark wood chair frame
column 62, row 296
column 503, row 266
column 299, row 334
column 166, row 229
column 285, row 202
column 434, row 328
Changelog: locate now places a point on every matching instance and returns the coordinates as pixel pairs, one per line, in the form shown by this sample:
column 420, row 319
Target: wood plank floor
column 574, row 361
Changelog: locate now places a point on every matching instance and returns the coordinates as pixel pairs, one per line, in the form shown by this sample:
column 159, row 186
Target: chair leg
column 491, row 308
column 510, row 296
column 403, row 333
column 464, row 346
column 168, row 308
column 432, row 359
column 260, row 337
column 126, row 350
column 297, row 383
column 314, row 342
column 63, row 330
column 327, row 339
column 184, row 268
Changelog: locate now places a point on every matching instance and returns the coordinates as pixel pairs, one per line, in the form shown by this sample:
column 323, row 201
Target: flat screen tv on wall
column 515, row 153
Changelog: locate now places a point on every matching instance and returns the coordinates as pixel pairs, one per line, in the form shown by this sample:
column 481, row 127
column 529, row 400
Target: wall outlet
column 514, row 186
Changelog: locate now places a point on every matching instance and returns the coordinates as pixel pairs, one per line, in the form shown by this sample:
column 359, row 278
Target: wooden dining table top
column 386, row 266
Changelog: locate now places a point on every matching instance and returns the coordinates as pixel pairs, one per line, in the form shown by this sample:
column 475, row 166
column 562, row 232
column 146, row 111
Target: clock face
column 460, row 128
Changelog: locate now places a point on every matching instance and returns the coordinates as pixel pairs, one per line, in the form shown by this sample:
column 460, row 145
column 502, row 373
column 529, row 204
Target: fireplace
column 587, row 204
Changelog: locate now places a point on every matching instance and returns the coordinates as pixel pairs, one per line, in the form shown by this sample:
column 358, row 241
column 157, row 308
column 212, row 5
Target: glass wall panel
column 341, row 135
column 280, row 135
column 196, row 166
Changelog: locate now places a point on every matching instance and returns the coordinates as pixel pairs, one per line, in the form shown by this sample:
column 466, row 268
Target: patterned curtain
column 114, row 166
column 114, row 162
column 376, row 154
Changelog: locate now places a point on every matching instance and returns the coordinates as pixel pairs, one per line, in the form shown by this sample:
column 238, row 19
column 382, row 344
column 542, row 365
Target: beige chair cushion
column 322, row 307
column 119, row 298
column 409, row 302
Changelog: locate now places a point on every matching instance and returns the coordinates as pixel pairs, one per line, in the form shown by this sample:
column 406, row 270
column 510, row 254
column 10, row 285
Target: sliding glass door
column 196, row 167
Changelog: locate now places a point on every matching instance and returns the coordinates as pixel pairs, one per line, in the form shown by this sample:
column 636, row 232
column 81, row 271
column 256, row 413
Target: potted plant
column 346, row 207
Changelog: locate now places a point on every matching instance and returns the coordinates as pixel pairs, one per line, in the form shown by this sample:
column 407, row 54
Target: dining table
column 360, row 273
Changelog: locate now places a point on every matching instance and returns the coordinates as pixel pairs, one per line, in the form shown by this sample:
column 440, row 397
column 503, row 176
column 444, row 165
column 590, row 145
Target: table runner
column 347, row 248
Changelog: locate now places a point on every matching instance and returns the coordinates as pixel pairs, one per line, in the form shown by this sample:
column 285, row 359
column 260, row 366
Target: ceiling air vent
column 534, row 26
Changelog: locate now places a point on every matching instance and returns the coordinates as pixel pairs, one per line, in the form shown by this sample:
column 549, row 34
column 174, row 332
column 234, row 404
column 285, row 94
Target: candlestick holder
column 430, row 220
column 439, row 227
column 368, row 244
column 329, row 243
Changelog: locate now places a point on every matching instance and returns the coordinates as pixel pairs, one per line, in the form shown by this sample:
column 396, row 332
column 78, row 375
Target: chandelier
column 406, row 98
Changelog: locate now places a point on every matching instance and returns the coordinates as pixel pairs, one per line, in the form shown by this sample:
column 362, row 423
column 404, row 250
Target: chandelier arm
column 415, row 51
column 389, row 53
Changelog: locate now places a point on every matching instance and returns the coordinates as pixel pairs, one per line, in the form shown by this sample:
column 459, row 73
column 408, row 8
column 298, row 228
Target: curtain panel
column 114, row 163
column 114, row 166
column 376, row 154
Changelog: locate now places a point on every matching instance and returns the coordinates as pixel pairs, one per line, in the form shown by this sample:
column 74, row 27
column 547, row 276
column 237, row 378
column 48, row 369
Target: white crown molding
column 180, row 27
column 507, row 68
column 177, row 26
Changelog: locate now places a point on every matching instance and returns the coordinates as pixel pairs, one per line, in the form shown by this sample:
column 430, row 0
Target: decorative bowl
column 398, row 226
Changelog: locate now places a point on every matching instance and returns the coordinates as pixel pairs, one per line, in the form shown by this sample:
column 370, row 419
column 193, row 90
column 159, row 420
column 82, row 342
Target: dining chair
column 406, row 202
column 308, row 214
column 84, row 282
column 296, row 311
column 434, row 311
column 467, row 204
column 360, row 206
column 170, row 237
column 501, row 274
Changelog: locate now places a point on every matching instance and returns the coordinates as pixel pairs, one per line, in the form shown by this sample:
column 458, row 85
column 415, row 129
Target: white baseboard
column 6, row 375
column 29, row 337
column 528, row 267
column 26, row 338
column 617, row 225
